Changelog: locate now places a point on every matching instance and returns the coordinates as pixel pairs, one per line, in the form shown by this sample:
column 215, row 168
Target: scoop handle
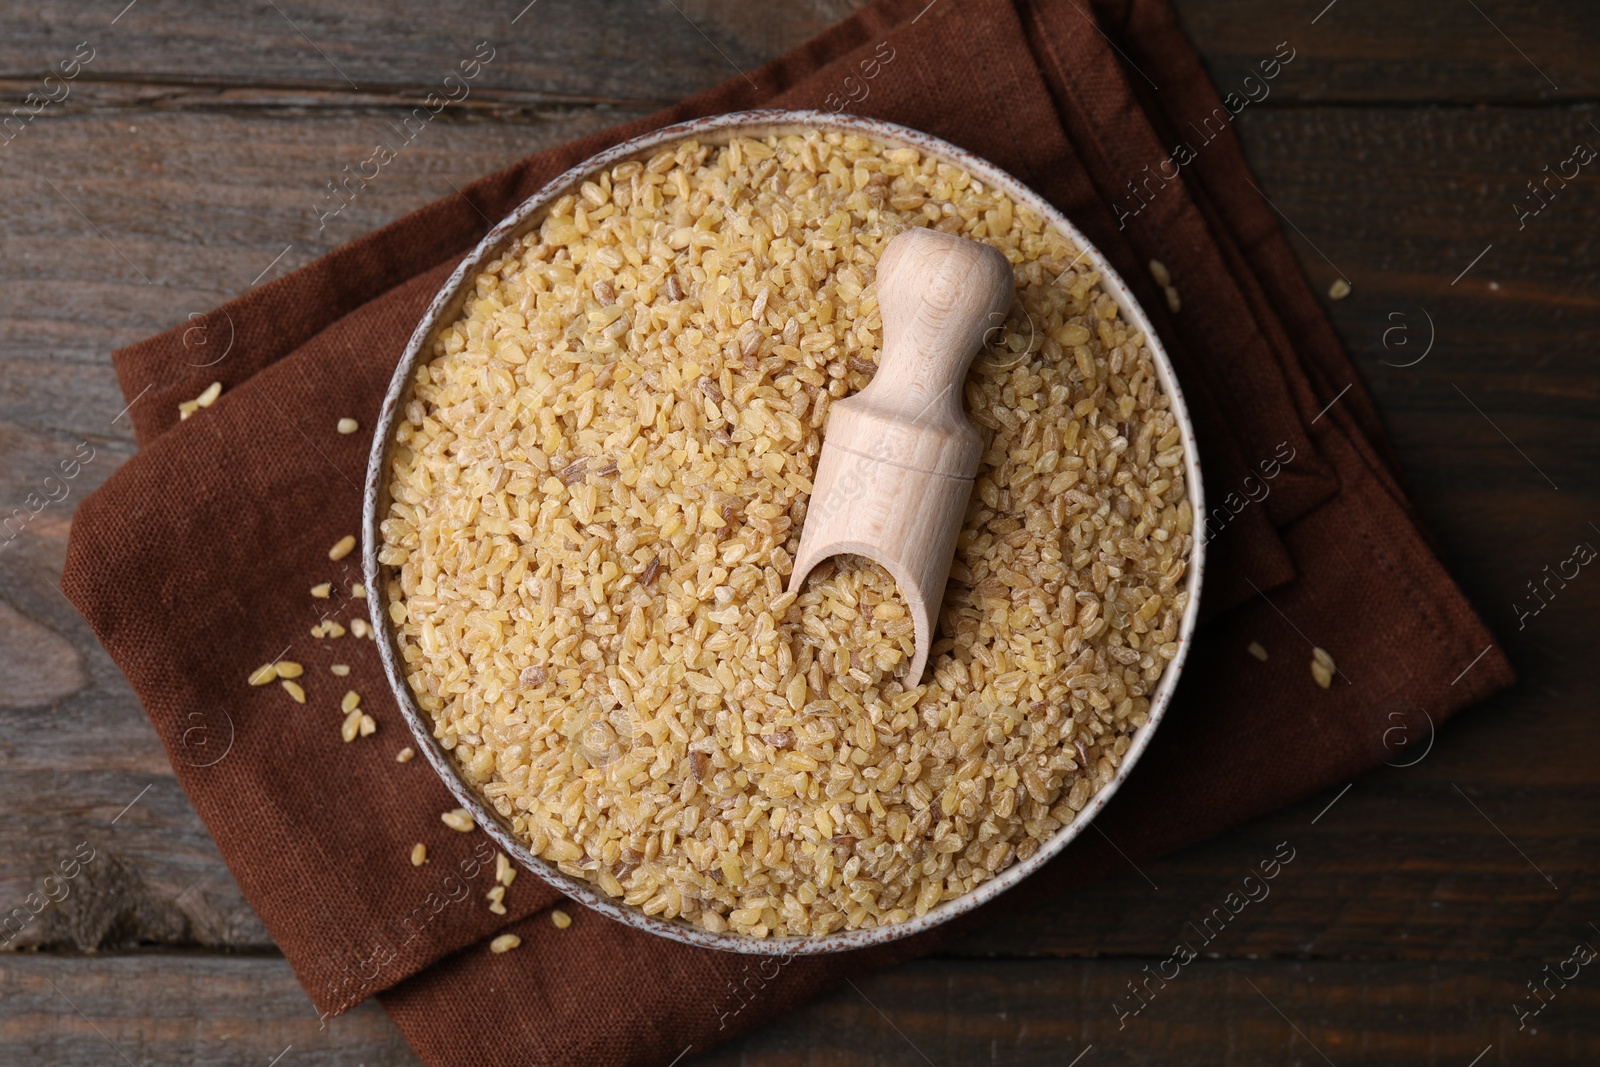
column 939, row 295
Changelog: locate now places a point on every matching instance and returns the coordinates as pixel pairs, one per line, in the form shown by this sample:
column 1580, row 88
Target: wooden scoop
column 899, row 458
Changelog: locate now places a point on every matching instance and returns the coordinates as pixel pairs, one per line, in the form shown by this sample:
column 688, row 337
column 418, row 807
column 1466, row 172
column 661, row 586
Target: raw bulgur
column 598, row 482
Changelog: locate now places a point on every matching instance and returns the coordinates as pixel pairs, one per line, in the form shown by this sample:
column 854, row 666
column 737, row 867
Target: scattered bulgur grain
column 1339, row 289
column 1174, row 302
column 267, row 672
column 369, row 726
column 1322, row 668
column 321, row 591
column 348, row 426
column 1258, row 651
column 1158, row 271
column 350, row 701
column 405, row 755
column 359, row 627
column 289, row 669
column 504, row 872
column 341, row 670
column 419, row 854
column 350, row 729
column 358, row 591
column 293, row 689
column 204, row 400
column 561, row 919
column 332, row 629
column 342, row 547
column 459, row 819
column 653, row 602
column 504, row 943
column 496, row 894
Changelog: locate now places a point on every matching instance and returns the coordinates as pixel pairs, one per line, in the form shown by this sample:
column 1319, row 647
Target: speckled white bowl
column 446, row 308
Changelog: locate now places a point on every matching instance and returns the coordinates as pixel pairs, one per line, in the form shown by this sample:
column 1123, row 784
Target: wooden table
column 184, row 167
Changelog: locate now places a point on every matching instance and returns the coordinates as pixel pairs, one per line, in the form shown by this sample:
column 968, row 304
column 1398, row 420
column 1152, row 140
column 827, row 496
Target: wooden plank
column 1403, row 52
column 190, row 55
column 173, row 213
column 1233, row 1014
column 576, row 51
column 179, row 1010
column 1402, row 867
column 184, row 1009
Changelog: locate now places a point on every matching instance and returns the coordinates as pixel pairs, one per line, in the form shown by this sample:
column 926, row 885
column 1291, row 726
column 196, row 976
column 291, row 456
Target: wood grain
column 190, row 157
column 1350, row 51
column 180, row 1010
column 1236, row 1012
column 569, row 51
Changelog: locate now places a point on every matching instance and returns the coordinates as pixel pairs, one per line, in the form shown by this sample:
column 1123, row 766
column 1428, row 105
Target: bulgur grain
column 1339, row 289
column 1158, row 271
column 341, row 548
column 368, row 726
column 267, row 672
column 595, row 508
column 504, row 943
column 1322, row 668
column 350, row 701
column 321, row 591
column 1258, row 651
column 405, row 755
column 504, row 872
column 459, row 819
column 561, row 919
column 293, row 689
column 289, row 669
column 348, row 426
column 204, row 400
column 419, row 854
column 341, row 670
column 350, row 729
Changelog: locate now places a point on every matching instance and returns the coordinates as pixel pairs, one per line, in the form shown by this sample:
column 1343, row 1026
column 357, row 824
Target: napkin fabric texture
column 193, row 563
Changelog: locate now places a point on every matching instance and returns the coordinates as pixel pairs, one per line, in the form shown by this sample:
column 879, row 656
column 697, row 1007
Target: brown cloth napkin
column 193, row 563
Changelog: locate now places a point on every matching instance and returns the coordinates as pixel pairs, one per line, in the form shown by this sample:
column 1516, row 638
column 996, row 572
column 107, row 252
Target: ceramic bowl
column 447, row 307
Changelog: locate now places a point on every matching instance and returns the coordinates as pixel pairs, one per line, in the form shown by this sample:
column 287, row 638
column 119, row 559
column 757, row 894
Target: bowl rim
column 450, row 300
